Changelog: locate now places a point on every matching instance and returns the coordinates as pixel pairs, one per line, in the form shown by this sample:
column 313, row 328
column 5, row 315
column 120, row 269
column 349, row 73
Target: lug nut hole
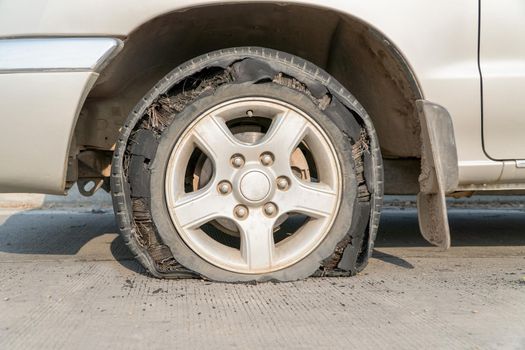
column 237, row 161
column 270, row 209
column 224, row 187
column 283, row 183
column 240, row 211
column 266, row 158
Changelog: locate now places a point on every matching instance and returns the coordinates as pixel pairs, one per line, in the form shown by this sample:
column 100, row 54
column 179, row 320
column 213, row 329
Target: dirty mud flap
column 439, row 172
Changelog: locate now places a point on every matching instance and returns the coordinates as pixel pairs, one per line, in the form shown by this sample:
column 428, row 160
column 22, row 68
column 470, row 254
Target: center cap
column 255, row 185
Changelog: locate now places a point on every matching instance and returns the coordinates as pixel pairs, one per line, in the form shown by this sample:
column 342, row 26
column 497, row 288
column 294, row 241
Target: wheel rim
column 253, row 188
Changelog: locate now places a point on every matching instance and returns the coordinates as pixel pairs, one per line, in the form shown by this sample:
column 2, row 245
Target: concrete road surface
column 67, row 282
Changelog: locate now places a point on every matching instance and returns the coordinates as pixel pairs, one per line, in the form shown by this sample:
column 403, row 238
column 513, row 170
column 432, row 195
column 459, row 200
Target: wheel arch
column 348, row 48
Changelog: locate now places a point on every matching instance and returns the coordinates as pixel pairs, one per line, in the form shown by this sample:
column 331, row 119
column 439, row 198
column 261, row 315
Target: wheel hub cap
column 255, row 186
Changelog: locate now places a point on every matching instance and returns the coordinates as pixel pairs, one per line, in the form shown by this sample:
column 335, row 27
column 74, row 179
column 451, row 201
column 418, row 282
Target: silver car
column 254, row 141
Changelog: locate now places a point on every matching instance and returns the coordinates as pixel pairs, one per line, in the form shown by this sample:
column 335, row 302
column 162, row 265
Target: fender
column 44, row 83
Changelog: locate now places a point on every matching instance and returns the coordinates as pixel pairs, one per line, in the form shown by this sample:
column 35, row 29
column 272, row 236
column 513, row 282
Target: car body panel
column 36, row 134
column 44, row 83
column 502, row 64
column 439, row 41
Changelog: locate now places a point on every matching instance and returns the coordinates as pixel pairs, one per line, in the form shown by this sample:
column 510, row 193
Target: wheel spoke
column 200, row 207
column 214, row 138
column 286, row 132
column 257, row 244
column 317, row 200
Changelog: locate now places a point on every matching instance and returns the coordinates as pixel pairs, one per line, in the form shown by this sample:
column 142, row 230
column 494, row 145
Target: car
column 253, row 141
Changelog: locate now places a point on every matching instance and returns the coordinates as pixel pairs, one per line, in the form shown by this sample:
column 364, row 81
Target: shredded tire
column 137, row 145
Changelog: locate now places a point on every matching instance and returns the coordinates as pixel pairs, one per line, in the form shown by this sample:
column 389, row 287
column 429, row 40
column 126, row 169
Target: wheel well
column 361, row 58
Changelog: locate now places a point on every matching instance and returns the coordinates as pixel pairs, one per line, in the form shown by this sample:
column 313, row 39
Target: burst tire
column 159, row 124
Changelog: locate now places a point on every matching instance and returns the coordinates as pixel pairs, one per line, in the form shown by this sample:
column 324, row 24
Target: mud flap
column 439, row 172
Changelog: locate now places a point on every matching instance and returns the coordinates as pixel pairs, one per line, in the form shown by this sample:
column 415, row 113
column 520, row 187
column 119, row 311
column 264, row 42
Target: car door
column 502, row 67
